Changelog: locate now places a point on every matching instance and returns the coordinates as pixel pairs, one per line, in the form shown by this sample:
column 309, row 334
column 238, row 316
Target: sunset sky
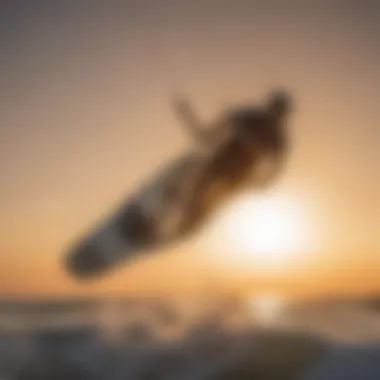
column 85, row 117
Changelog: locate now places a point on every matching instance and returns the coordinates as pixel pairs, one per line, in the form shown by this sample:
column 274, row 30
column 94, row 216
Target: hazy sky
column 85, row 116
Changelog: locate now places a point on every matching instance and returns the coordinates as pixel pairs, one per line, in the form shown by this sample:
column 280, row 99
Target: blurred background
column 86, row 118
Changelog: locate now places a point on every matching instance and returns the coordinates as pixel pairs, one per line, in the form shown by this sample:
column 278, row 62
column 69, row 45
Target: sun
column 269, row 231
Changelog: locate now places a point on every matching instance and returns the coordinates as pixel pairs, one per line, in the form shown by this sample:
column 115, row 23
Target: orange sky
column 85, row 117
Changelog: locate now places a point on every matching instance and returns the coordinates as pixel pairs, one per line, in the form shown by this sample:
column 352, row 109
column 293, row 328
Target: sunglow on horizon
column 268, row 232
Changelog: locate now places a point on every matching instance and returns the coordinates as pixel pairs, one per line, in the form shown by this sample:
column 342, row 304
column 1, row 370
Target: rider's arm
column 190, row 121
column 207, row 136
